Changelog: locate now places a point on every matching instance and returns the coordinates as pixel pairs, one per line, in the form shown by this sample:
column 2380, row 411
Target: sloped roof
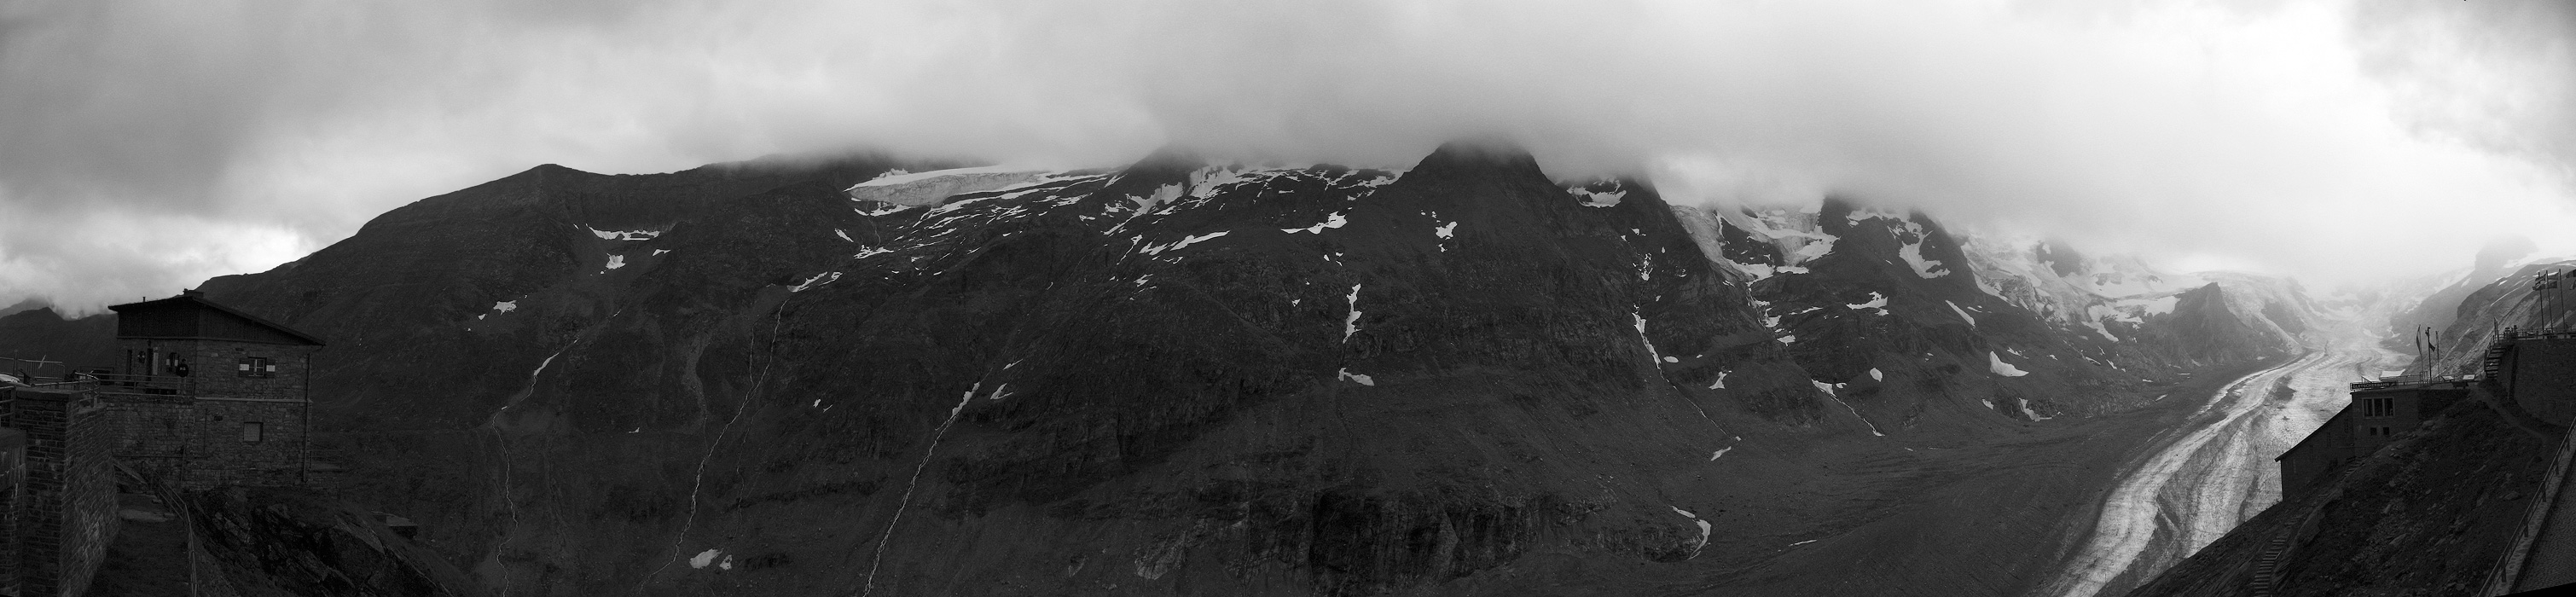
column 192, row 299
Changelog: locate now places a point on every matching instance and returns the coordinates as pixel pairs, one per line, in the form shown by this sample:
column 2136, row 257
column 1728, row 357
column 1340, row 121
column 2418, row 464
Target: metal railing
column 121, row 383
column 2415, row 379
column 2508, row 569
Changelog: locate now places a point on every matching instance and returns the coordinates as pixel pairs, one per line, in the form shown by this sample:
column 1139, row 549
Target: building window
column 251, row 433
column 256, row 367
column 2378, row 407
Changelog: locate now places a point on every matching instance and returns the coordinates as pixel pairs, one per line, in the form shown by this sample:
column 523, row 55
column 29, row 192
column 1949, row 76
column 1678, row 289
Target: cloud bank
column 149, row 145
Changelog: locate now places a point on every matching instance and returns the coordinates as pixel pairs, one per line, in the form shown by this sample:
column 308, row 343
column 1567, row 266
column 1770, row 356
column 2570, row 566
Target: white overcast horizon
column 147, row 146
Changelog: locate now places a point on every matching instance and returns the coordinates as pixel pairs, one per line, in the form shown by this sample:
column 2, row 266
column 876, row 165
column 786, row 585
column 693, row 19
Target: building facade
column 2376, row 414
column 209, row 396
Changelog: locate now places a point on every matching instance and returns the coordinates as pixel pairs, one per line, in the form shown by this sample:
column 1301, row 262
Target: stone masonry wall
column 149, row 433
column 70, row 497
column 13, row 482
column 223, row 454
column 89, row 510
column 215, row 367
column 200, row 439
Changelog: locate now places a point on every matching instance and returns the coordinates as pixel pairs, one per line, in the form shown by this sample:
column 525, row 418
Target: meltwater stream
column 2218, row 473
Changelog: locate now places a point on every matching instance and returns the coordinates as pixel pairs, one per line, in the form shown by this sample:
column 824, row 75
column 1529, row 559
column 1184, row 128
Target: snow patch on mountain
column 1997, row 365
column 1351, row 322
column 918, row 189
column 1336, row 220
column 1184, row 243
column 1590, row 198
column 623, row 234
column 1877, row 302
column 1963, row 313
column 1651, row 354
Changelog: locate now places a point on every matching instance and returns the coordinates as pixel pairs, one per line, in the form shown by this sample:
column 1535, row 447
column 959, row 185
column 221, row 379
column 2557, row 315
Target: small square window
column 252, row 432
column 256, row 367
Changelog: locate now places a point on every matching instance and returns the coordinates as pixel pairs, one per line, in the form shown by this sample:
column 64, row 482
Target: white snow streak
column 623, row 235
column 1351, row 324
column 1999, row 367
column 1828, row 389
column 817, row 280
column 1333, row 221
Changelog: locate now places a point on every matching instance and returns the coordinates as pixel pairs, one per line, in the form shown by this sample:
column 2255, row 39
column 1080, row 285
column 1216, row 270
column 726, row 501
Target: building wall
column 219, row 374
column 13, row 481
column 223, row 456
column 149, row 433
column 214, row 366
column 2323, row 450
column 2411, row 405
column 2541, row 373
column 70, row 500
column 196, row 439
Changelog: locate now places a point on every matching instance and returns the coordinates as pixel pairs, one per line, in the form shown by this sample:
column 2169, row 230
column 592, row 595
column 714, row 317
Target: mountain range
column 862, row 374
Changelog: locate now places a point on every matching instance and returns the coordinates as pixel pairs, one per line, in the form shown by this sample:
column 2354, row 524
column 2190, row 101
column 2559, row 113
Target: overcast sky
column 145, row 146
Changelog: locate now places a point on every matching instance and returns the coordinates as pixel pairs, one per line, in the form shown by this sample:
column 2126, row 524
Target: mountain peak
column 1479, row 158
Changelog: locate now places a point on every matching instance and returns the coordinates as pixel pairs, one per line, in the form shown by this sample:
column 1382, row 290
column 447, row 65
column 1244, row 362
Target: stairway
column 2267, row 567
column 2492, row 365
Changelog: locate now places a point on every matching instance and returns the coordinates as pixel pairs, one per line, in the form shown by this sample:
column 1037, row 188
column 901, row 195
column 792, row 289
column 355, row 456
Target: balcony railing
column 121, row 383
column 2417, row 379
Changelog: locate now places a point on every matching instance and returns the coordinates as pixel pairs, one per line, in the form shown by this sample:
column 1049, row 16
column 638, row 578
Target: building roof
column 191, row 316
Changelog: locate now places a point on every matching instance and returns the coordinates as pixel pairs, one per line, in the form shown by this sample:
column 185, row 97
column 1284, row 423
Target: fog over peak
column 151, row 145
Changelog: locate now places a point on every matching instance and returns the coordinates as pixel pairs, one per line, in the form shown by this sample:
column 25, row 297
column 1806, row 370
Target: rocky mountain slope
column 830, row 377
column 2496, row 303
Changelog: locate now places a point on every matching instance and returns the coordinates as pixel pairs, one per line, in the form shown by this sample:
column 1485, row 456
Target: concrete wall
column 70, row 501
column 2542, row 377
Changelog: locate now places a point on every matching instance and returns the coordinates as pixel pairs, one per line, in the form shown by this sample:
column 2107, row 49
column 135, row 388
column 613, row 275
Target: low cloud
column 151, row 145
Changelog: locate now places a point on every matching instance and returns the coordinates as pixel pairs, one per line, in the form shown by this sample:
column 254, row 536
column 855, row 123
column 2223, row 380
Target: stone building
column 208, row 396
